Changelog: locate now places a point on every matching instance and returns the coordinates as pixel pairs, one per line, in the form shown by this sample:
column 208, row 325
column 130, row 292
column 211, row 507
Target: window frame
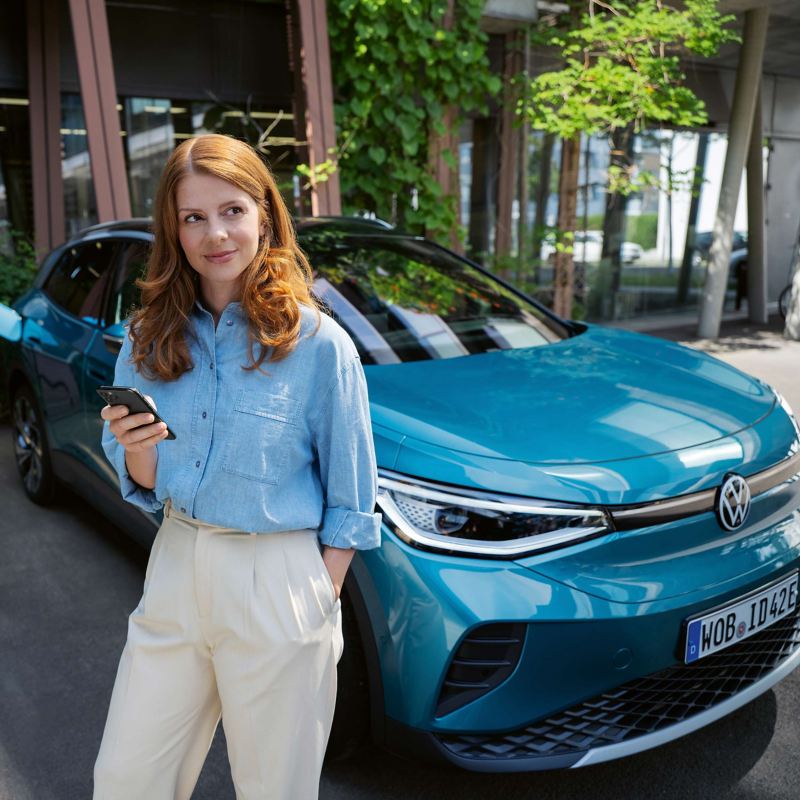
column 122, row 242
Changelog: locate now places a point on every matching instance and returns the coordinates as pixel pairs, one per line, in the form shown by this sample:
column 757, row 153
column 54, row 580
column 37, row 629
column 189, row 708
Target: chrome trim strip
column 641, row 516
column 649, row 740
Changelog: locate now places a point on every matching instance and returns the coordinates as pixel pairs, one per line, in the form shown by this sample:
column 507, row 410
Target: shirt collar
column 235, row 306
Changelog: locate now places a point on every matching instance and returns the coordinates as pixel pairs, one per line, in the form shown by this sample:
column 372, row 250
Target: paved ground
column 68, row 581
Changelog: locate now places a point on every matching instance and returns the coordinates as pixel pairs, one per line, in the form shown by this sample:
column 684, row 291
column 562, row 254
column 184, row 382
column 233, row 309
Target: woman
column 273, row 460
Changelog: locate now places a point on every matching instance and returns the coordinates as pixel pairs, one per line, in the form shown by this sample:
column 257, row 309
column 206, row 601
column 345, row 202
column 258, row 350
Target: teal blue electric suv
column 591, row 538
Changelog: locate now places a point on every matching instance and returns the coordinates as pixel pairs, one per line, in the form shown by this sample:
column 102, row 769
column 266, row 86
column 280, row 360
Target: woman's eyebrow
column 226, row 203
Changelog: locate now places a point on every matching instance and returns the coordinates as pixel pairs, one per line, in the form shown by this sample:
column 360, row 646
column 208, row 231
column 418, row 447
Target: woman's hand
column 337, row 562
column 133, row 431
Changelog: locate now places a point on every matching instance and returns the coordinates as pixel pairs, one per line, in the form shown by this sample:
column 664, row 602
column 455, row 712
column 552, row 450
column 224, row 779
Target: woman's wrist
column 337, row 562
column 142, row 467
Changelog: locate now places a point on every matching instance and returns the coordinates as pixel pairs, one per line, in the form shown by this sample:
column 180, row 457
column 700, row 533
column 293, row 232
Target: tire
column 351, row 719
column 783, row 302
column 31, row 449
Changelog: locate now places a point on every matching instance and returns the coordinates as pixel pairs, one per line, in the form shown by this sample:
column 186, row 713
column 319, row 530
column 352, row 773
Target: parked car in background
column 590, row 540
column 702, row 248
column 588, row 248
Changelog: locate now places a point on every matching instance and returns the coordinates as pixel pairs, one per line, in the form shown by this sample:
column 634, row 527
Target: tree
column 620, row 72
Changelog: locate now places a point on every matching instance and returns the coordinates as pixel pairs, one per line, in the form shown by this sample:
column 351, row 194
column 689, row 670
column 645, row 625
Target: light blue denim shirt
column 260, row 453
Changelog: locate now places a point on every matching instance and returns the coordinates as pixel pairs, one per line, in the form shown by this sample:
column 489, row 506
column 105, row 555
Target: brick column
column 315, row 65
column 99, row 97
column 45, row 124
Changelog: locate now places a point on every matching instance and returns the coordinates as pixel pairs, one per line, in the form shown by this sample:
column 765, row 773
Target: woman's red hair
column 275, row 283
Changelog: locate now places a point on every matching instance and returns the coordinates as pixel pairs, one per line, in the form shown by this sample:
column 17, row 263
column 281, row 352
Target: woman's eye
column 190, row 218
column 237, row 209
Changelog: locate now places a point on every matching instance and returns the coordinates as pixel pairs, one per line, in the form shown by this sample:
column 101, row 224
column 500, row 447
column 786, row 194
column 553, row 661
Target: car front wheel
column 31, row 452
column 350, row 730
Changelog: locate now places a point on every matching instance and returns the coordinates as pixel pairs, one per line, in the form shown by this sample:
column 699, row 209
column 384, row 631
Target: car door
column 59, row 322
column 102, row 350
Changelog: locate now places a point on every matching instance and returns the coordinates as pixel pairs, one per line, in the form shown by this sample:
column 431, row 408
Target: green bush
column 17, row 268
column 643, row 230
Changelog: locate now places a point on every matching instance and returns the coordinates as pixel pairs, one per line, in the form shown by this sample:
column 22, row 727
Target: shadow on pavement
column 710, row 763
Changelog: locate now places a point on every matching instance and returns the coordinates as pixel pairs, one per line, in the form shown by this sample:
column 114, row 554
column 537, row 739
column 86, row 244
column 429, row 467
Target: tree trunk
column 542, row 196
column 614, row 221
column 509, row 147
column 564, row 274
column 685, row 277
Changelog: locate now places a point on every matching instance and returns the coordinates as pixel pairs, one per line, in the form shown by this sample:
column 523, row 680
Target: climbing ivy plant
column 398, row 66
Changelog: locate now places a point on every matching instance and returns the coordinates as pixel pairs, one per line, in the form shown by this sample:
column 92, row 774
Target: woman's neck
column 216, row 299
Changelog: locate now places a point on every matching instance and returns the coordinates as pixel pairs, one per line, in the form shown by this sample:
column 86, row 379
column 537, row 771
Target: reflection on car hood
column 603, row 395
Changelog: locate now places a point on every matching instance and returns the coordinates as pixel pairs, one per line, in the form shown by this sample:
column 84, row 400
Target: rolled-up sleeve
column 348, row 470
column 125, row 375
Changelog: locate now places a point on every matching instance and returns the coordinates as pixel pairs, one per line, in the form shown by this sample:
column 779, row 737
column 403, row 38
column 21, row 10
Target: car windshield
column 405, row 299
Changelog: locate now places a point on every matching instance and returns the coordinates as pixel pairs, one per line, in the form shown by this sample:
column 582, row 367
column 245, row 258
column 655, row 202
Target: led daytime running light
column 429, row 517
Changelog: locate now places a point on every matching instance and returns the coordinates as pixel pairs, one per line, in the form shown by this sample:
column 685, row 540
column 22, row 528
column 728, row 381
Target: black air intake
column 483, row 660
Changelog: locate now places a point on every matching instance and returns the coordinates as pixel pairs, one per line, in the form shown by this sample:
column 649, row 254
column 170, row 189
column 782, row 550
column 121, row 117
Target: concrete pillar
column 756, row 234
column 99, row 98
column 748, row 78
column 44, row 90
column 315, row 65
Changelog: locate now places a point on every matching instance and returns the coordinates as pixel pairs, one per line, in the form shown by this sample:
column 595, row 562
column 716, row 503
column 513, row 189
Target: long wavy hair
column 275, row 284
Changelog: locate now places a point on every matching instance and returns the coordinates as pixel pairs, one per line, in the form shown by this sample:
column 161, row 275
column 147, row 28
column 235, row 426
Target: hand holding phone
column 133, row 418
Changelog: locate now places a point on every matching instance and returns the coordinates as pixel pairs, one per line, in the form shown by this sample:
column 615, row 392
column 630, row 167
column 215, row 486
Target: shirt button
column 229, row 322
column 197, row 463
column 211, row 365
column 204, row 415
column 183, row 510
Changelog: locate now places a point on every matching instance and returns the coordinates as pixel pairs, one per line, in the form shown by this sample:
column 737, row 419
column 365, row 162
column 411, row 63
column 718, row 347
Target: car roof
column 302, row 224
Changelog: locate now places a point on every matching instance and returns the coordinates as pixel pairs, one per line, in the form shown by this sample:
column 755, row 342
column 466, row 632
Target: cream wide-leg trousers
column 246, row 627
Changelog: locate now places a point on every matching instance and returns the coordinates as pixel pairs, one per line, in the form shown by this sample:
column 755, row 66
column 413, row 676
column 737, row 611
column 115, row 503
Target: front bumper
column 578, row 692
column 638, row 715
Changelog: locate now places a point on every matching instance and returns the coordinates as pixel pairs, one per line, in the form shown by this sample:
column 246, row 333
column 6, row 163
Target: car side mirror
column 10, row 324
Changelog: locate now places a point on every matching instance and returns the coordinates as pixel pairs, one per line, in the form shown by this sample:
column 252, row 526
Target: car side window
column 124, row 292
column 79, row 279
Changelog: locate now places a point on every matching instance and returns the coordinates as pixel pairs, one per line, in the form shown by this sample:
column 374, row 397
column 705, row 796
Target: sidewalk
column 759, row 350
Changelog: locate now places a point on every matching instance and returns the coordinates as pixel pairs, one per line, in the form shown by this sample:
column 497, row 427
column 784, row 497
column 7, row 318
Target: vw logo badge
column 733, row 502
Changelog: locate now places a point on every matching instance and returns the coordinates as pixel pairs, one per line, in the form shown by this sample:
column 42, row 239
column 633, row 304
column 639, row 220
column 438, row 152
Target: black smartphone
column 131, row 397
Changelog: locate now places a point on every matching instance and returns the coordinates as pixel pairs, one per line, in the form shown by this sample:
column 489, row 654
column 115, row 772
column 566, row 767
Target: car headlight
column 466, row 522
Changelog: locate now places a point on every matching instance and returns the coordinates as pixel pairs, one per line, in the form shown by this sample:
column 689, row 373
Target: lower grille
column 642, row 706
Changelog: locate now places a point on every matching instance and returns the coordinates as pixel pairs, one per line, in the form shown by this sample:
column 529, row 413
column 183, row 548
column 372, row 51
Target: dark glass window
column 124, row 292
column 79, row 279
column 404, row 299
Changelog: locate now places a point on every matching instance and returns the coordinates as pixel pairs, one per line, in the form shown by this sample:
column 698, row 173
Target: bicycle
column 784, row 298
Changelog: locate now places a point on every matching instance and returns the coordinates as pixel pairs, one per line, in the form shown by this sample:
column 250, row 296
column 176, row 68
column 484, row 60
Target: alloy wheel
column 28, row 444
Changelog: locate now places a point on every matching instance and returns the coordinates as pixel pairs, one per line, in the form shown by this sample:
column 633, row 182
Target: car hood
column 603, row 395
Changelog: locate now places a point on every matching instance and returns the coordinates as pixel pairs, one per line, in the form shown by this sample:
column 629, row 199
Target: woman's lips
column 221, row 258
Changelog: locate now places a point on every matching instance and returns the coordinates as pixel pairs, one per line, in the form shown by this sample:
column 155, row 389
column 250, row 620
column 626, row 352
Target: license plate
column 719, row 629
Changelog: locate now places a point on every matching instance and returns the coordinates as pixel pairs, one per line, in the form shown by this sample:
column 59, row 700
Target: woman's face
column 218, row 228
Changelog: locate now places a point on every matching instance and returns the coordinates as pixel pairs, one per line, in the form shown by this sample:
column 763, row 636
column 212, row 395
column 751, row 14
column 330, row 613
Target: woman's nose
column 217, row 232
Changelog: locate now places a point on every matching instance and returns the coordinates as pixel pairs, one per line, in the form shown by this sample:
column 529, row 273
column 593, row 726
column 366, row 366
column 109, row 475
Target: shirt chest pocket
column 262, row 431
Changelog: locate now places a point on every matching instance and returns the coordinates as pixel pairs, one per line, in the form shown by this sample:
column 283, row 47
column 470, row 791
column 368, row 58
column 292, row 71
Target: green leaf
column 377, row 154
